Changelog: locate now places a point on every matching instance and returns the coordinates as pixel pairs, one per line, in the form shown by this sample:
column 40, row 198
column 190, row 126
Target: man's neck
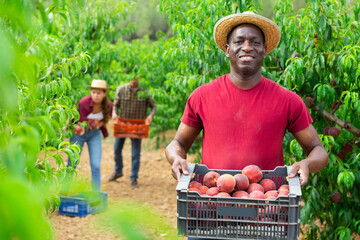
column 245, row 81
column 133, row 89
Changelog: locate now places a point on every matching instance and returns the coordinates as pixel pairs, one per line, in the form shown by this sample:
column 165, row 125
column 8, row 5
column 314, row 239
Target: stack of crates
column 238, row 218
column 84, row 203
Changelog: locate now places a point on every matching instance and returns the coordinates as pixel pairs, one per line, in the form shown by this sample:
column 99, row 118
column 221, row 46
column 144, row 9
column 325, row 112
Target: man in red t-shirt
column 244, row 115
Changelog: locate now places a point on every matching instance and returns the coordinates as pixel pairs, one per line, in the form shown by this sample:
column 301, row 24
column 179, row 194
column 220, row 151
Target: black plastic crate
column 238, row 218
column 84, row 203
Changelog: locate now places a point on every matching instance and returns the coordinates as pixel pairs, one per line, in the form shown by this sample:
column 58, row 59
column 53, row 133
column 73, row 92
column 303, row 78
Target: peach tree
column 318, row 58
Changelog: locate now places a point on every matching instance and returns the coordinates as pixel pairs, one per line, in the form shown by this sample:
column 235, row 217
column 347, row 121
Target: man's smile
column 246, row 58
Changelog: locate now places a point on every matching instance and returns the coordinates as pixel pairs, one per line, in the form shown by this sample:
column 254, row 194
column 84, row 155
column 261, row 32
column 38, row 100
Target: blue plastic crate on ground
column 84, row 203
column 239, row 218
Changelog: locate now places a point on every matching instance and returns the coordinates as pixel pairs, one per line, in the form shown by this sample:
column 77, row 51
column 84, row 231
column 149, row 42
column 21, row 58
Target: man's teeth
column 246, row 58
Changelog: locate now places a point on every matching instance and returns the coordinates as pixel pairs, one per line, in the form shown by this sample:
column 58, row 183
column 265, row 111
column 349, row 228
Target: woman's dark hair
column 106, row 108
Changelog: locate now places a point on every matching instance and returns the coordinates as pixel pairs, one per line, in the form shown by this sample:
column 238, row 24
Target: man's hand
column 302, row 169
column 176, row 151
column 148, row 120
column 317, row 157
column 114, row 115
column 179, row 166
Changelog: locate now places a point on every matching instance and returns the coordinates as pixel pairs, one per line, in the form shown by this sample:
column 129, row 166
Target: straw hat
column 98, row 84
column 226, row 24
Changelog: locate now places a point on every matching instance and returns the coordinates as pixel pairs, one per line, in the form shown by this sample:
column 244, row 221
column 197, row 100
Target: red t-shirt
column 244, row 126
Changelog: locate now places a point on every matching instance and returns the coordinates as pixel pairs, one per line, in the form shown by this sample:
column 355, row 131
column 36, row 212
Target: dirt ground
column 156, row 188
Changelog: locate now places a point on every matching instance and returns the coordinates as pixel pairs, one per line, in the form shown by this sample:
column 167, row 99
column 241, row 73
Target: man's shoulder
column 278, row 89
column 123, row 87
column 214, row 84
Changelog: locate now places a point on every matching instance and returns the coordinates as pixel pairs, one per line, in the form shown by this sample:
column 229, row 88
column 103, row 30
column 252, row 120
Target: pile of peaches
column 248, row 184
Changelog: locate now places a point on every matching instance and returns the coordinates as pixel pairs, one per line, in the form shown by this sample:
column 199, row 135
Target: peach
column 284, row 186
column 333, row 131
column 203, row 189
column 226, row 183
column 283, row 192
column 348, row 148
column 242, row 182
column 336, row 197
column 194, row 190
column 268, row 185
column 77, row 129
column 257, row 194
column 212, row 191
column 255, row 187
column 223, row 194
column 240, row 194
column 253, row 173
column 194, row 184
column 270, row 197
column 210, row 179
column 271, row 193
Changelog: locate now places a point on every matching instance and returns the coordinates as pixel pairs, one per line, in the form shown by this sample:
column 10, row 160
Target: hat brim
column 107, row 88
column 226, row 24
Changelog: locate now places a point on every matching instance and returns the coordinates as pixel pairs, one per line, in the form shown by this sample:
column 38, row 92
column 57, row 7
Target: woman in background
column 96, row 109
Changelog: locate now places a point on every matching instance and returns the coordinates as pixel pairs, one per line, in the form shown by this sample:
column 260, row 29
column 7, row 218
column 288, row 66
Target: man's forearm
column 153, row 111
column 317, row 159
column 173, row 150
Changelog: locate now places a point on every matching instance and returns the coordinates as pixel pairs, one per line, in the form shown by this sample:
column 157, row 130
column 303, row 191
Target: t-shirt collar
column 241, row 89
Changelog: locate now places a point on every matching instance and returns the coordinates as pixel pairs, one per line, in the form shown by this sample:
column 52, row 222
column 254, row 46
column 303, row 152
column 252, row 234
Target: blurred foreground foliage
column 49, row 52
column 134, row 220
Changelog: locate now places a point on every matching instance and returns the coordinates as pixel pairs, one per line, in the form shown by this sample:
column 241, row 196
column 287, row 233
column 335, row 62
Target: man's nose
column 247, row 46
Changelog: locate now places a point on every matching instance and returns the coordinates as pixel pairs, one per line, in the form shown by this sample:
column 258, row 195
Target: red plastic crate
column 130, row 128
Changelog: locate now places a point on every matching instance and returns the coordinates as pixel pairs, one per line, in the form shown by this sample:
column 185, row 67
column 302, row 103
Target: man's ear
column 227, row 50
column 264, row 52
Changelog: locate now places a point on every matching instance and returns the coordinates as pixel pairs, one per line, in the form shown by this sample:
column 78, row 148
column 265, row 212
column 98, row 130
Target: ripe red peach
column 255, row 187
column 77, row 129
column 270, row 197
column 253, row 173
column 334, row 131
column 203, row 189
column 212, row 191
column 257, row 194
column 271, row 193
column 240, row 194
column 226, row 183
column 284, row 186
column 348, row 147
column 194, row 184
column 336, row 197
column 223, row 194
column 283, row 192
column 268, row 185
column 210, row 179
column 194, row 190
column 242, row 182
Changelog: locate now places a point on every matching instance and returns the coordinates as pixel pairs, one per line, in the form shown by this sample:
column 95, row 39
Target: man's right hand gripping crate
column 203, row 216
